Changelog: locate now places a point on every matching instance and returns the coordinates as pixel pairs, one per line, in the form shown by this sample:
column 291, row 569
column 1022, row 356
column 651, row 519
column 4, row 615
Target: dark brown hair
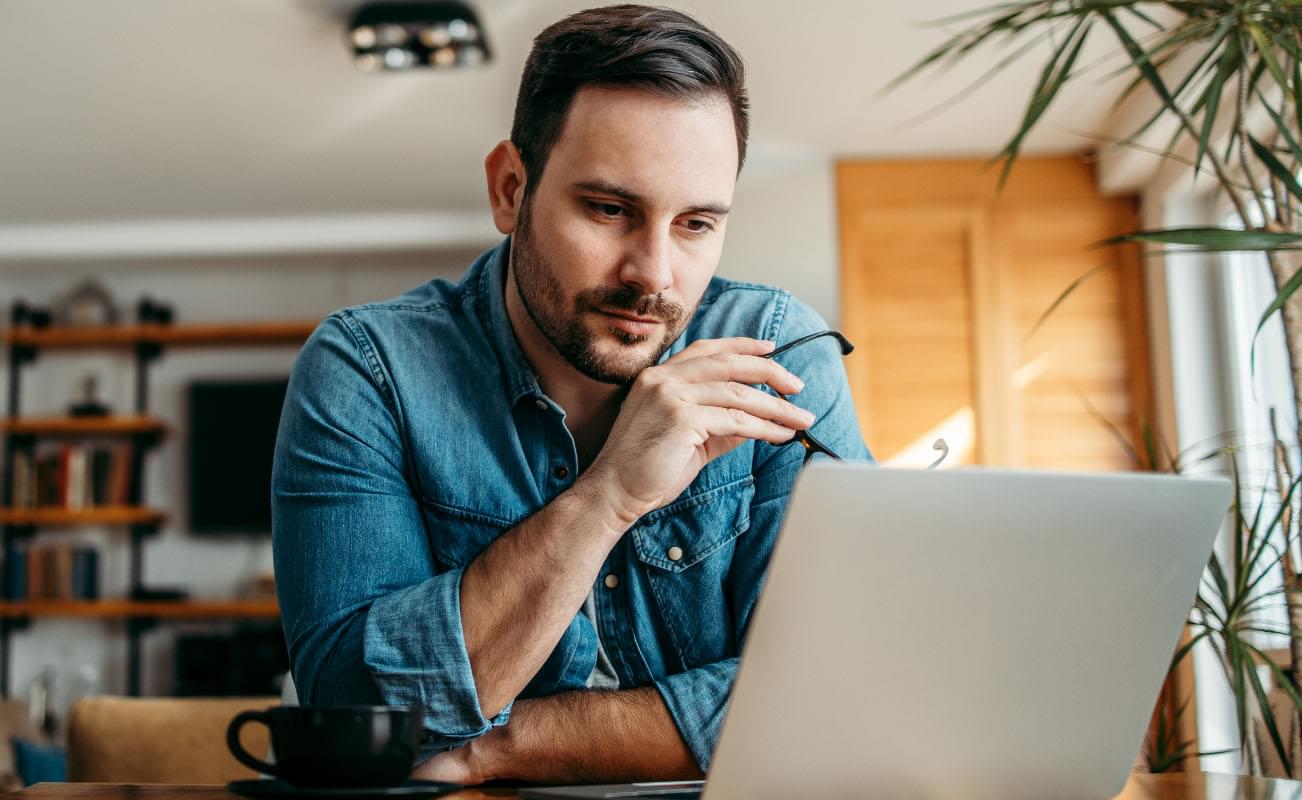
column 657, row 49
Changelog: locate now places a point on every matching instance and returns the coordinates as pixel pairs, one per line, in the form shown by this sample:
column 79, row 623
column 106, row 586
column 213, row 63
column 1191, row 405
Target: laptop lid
column 963, row 633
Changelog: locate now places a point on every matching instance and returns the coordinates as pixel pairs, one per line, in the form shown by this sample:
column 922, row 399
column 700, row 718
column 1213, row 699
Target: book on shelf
column 73, row 475
column 57, row 571
column 15, row 574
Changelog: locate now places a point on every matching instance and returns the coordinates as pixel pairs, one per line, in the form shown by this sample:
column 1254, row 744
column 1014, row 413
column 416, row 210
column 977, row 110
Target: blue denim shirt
column 414, row 433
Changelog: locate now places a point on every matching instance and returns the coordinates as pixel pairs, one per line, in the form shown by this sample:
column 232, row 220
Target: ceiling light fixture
column 443, row 34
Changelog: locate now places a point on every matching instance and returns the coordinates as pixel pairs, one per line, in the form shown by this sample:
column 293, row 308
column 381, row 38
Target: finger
column 729, row 394
column 742, row 345
column 727, row 422
column 736, row 367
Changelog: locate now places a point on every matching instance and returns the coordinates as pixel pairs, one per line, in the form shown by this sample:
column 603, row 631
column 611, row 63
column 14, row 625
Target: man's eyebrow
column 605, row 187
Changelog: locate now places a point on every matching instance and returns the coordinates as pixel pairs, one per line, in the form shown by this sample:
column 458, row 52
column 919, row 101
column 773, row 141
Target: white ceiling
column 139, row 110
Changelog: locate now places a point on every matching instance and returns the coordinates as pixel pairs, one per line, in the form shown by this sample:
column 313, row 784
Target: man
column 540, row 502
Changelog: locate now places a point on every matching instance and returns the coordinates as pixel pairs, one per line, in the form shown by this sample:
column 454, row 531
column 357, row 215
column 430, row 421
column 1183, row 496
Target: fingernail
column 768, row 344
column 807, row 415
column 800, row 385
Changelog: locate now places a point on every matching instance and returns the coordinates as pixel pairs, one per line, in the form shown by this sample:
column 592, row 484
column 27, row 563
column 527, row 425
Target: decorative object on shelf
column 260, row 588
column 89, row 404
column 41, row 701
column 23, row 315
column 149, row 310
column 89, row 303
column 443, row 34
column 159, row 594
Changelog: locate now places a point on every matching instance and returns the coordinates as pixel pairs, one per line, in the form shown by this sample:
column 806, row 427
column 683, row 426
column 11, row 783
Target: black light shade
column 443, row 34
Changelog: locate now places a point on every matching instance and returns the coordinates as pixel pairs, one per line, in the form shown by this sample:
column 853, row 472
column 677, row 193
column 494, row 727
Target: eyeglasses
column 807, row 439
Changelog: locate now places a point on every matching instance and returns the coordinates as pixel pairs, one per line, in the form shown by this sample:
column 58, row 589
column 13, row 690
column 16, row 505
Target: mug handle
column 237, row 750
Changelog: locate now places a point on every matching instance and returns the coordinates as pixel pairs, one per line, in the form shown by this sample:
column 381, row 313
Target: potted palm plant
column 1225, row 77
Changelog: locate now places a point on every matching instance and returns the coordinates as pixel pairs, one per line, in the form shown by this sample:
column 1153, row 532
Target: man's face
column 615, row 246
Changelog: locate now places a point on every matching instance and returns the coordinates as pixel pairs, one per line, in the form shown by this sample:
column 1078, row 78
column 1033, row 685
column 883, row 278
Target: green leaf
column 1281, row 172
column 1186, row 648
column 1297, row 89
column 1052, row 78
column 1236, row 667
column 1281, row 677
column 1286, row 291
column 1283, row 129
column 1073, row 286
column 1218, row 575
column 1211, row 239
column 1267, row 55
column 1284, row 505
column 1226, row 66
column 1268, row 717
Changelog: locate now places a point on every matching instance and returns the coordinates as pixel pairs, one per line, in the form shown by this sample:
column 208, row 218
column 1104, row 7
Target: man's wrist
column 597, row 497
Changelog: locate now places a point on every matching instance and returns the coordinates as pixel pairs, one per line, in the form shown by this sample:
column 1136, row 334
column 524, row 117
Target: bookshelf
column 75, row 427
column 127, row 609
column 21, row 435
column 71, row 517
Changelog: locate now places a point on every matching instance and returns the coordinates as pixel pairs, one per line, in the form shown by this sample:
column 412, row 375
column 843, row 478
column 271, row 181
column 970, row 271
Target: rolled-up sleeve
column 697, row 699
column 367, row 620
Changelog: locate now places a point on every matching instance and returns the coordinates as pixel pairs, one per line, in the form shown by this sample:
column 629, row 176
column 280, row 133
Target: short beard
column 541, row 295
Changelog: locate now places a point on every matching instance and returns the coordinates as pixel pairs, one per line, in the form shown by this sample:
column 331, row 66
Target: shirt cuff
column 698, row 700
column 415, row 649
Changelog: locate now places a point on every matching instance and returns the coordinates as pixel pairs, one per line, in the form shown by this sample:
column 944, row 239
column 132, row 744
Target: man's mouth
column 630, row 323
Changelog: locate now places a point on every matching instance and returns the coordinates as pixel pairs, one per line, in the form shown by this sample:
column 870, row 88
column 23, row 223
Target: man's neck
column 590, row 406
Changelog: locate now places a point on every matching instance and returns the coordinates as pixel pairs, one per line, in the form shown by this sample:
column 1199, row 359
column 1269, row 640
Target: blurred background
column 236, row 169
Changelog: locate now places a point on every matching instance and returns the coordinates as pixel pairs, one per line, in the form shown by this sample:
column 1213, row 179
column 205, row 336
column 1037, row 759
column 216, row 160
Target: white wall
column 782, row 231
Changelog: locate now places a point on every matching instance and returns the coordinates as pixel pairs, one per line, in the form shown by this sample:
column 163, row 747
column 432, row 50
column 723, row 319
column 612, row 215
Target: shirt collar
column 520, row 379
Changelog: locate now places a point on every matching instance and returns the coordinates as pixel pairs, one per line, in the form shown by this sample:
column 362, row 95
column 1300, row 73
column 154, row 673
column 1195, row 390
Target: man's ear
column 506, row 180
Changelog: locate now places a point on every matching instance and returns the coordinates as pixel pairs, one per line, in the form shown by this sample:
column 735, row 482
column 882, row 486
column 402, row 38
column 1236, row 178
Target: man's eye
column 607, row 209
column 699, row 226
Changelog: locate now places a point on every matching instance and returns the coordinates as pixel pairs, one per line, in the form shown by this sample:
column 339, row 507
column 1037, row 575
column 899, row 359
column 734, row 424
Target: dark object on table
column 335, row 746
column 286, row 789
column 89, row 303
column 22, row 315
column 89, row 404
column 232, row 439
column 149, row 310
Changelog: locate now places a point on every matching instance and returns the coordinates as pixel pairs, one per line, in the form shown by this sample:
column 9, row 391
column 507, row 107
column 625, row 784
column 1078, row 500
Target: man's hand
column 521, row 593
column 456, row 766
column 684, row 413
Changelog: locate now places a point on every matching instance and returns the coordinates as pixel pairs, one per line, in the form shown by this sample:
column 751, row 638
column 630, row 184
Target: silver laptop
column 963, row 633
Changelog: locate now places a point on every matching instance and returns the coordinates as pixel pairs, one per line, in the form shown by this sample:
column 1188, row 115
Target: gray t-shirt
column 603, row 672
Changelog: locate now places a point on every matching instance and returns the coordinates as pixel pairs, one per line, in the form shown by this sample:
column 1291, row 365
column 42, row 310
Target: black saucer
column 276, row 788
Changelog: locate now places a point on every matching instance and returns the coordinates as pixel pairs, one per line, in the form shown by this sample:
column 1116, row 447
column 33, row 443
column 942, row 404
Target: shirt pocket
column 457, row 536
column 685, row 550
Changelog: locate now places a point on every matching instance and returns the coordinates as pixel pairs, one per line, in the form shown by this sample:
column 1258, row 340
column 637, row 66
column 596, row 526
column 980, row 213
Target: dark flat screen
column 232, row 437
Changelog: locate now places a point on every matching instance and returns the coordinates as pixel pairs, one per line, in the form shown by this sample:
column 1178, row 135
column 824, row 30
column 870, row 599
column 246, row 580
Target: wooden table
column 1175, row 786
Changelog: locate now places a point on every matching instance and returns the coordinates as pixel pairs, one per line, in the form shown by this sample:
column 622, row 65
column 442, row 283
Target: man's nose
column 648, row 265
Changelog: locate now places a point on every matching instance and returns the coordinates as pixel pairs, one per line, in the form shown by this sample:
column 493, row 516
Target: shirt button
column 612, row 581
column 541, row 403
column 562, row 472
column 675, row 553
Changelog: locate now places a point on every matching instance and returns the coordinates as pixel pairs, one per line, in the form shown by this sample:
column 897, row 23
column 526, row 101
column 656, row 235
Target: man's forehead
column 660, row 149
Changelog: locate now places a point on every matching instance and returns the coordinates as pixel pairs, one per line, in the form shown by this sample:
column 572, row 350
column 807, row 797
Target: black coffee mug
column 344, row 746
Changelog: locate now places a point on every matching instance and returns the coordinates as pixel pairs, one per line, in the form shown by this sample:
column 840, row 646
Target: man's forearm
column 587, row 737
column 520, row 594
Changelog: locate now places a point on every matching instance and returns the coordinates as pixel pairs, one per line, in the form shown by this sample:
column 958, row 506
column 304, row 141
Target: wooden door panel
column 912, row 368
column 942, row 283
